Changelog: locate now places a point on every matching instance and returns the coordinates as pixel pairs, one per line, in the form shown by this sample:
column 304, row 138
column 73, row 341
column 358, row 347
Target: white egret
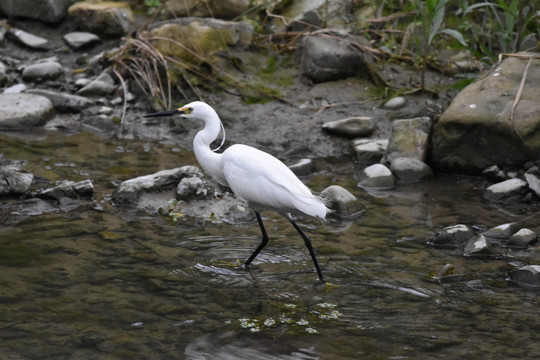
column 253, row 175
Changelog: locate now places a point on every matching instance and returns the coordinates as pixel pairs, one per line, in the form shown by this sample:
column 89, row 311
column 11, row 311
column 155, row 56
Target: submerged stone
column 342, row 202
column 377, row 176
column 302, row 167
column 410, row 170
column 527, row 276
column 452, row 236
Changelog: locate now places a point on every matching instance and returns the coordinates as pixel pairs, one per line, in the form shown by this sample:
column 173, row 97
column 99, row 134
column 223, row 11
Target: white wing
column 267, row 183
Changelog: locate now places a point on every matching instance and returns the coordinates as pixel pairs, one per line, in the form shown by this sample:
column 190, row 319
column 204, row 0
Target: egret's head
column 193, row 110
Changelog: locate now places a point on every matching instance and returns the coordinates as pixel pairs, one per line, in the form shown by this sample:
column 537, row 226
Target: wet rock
column 527, row 276
column 303, row 167
column 14, row 182
column 475, row 131
column 533, row 182
column 523, row 238
column 493, row 173
column 21, row 111
column 369, row 151
column 507, row 191
column 350, row 127
column 410, row 170
column 105, row 18
column 395, row 103
column 328, row 55
column 42, row 71
column 501, row 232
column 221, row 9
column 377, row 176
column 342, row 202
column 409, row 138
column 29, row 40
column 79, row 39
column 452, row 236
column 131, row 191
column 31, row 207
column 477, row 246
column 194, row 188
column 48, row 11
column 63, row 102
column 201, row 36
column 69, row 189
column 103, row 85
column 15, row 89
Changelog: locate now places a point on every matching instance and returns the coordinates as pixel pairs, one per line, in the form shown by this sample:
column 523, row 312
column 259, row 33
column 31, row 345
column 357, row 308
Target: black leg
column 262, row 244
column 307, row 241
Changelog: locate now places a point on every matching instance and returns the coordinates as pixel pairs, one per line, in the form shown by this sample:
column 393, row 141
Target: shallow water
column 102, row 282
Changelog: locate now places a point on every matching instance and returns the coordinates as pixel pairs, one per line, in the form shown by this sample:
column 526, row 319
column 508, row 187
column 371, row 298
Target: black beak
column 164, row 113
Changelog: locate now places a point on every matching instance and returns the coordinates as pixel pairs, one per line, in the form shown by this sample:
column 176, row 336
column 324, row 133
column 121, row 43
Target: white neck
column 210, row 161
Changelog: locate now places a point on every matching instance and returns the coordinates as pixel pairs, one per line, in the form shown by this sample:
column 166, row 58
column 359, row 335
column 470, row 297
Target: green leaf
column 455, row 34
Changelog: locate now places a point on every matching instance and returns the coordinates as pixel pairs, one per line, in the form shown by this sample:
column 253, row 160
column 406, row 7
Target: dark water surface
column 102, row 282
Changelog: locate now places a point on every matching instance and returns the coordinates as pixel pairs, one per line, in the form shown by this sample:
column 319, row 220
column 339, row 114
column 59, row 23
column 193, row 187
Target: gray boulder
column 69, row 189
column 48, row 11
column 103, row 85
column 21, row 111
column 29, row 40
column 369, row 151
column 501, row 232
column 409, row 138
column 477, row 246
column 105, row 18
column 329, row 55
column 63, row 102
column 153, row 191
column 41, row 71
column 410, row 170
column 533, row 182
column 80, row 39
column 476, row 130
column 523, row 238
column 350, row 127
column 507, row 191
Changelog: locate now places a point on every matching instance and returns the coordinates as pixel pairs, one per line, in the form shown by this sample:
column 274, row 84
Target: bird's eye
column 189, row 110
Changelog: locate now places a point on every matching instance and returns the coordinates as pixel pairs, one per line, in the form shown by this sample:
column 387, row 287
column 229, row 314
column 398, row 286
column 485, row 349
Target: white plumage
column 253, row 175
